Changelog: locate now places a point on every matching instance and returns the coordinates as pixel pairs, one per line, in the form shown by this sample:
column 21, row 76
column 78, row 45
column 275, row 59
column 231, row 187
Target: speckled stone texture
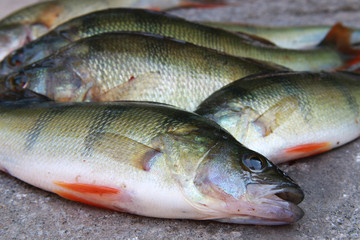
column 330, row 181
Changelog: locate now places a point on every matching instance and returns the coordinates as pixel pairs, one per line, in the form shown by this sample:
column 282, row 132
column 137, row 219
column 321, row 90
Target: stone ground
column 330, row 180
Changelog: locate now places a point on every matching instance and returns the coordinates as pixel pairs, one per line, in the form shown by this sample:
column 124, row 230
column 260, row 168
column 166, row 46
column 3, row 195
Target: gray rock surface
column 331, row 181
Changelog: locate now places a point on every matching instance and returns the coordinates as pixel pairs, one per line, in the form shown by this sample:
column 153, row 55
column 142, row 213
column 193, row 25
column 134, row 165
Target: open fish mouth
column 268, row 205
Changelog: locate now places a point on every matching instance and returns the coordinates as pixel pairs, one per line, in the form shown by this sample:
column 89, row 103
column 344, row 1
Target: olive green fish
column 292, row 37
column 167, row 25
column 146, row 159
column 132, row 66
column 31, row 22
column 285, row 116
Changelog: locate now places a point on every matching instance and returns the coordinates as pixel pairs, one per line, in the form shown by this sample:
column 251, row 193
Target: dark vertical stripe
column 346, row 92
column 97, row 128
column 296, row 89
column 39, row 125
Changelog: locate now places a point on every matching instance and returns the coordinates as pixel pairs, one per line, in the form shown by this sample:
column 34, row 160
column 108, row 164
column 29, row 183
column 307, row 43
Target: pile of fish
column 140, row 111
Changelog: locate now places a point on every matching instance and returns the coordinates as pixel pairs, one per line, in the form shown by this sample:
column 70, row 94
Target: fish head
column 43, row 78
column 244, row 187
column 12, row 39
column 228, row 182
column 14, row 81
column 16, row 86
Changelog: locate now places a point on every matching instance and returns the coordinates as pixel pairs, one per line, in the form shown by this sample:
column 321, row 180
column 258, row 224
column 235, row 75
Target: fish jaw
column 260, row 205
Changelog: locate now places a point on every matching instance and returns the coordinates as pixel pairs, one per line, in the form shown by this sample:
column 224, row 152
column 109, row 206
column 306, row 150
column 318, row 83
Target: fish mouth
column 268, row 205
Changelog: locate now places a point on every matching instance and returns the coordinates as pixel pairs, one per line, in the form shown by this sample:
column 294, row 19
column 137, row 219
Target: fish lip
column 290, row 194
column 267, row 204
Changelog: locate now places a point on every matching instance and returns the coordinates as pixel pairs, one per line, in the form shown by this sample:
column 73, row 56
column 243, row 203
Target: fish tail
column 339, row 37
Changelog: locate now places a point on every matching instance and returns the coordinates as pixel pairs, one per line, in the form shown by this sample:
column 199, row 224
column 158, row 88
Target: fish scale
column 131, row 66
column 144, row 158
column 32, row 22
column 151, row 22
column 289, row 115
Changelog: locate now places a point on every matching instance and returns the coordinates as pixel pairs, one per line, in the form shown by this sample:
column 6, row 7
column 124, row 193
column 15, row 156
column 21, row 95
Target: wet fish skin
column 286, row 116
column 170, row 26
column 292, row 37
column 132, row 66
column 144, row 158
column 50, row 14
column 11, row 36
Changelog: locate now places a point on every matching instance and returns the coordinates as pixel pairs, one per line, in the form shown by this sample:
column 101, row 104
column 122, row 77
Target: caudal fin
column 339, row 37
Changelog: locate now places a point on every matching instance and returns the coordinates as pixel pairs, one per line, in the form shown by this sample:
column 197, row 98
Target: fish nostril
column 294, row 195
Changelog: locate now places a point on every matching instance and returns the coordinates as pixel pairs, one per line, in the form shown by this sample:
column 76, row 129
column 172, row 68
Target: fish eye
column 254, row 163
column 18, row 80
column 15, row 59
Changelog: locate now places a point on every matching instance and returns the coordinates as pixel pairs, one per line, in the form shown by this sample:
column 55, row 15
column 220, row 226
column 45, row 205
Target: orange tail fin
column 339, row 37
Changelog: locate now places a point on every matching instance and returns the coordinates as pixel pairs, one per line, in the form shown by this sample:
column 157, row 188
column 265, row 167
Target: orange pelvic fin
column 87, row 188
column 339, row 37
column 309, row 149
column 78, row 199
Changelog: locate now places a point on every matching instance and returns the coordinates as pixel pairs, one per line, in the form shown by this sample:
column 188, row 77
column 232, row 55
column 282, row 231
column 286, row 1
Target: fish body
column 291, row 37
column 285, row 116
column 152, row 22
column 143, row 158
column 132, row 66
column 33, row 21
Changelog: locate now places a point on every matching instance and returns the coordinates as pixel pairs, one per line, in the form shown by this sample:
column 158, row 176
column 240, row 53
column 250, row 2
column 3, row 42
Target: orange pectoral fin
column 309, row 149
column 87, row 188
